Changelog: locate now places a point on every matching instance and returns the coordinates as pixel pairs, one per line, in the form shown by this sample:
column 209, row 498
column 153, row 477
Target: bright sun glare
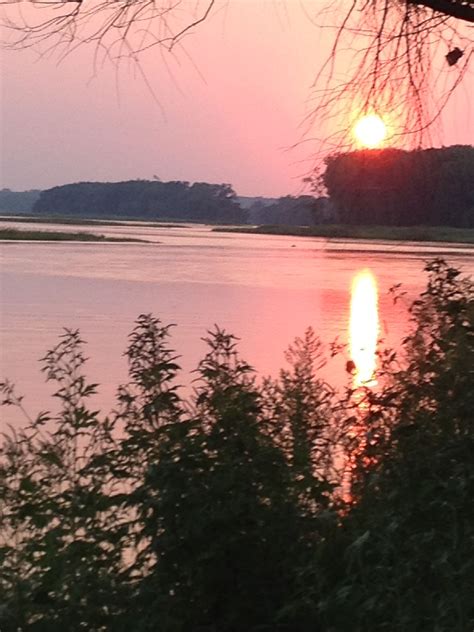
column 364, row 326
column 370, row 131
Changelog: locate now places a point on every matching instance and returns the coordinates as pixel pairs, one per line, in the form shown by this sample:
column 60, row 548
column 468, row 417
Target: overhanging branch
column 461, row 10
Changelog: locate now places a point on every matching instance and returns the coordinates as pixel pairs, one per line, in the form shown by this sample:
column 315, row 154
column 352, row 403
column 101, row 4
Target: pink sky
column 232, row 120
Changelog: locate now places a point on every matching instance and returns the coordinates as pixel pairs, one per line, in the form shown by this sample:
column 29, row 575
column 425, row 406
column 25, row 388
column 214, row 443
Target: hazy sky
column 228, row 113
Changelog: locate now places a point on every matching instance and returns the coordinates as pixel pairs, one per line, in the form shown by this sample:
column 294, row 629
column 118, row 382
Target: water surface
column 264, row 289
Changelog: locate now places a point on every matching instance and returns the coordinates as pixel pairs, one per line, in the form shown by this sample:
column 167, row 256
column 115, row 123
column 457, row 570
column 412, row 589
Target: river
column 264, row 289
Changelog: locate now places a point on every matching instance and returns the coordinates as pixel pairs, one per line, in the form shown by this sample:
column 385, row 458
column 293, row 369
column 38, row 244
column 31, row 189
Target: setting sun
column 370, row 131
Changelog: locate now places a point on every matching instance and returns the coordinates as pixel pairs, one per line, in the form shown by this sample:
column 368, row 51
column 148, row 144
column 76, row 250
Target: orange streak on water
column 364, row 327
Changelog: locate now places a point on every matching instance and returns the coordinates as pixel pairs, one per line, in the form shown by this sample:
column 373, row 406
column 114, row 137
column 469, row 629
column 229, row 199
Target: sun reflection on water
column 364, row 327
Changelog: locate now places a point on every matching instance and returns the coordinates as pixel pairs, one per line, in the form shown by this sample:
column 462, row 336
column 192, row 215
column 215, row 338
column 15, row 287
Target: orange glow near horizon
column 364, row 327
column 370, row 131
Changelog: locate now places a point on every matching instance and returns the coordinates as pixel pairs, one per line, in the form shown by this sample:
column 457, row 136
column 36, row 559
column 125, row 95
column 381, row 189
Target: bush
column 234, row 511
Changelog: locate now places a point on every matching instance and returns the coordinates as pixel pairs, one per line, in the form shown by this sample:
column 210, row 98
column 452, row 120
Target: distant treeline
column 200, row 201
column 403, row 188
column 304, row 210
column 384, row 187
column 17, row 201
column 145, row 199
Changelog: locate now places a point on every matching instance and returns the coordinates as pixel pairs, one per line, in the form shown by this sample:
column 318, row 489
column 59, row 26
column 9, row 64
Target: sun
column 370, row 131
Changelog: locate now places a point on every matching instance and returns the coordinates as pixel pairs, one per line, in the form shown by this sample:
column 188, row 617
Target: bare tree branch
column 402, row 58
column 395, row 58
column 112, row 26
column 459, row 9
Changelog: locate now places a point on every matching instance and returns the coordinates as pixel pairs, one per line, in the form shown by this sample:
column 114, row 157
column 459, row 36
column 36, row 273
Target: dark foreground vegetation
column 383, row 233
column 12, row 234
column 275, row 506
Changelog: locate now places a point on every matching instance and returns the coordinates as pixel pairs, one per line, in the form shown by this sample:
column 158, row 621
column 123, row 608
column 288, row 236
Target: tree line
column 386, row 187
column 153, row 199
column 279, row 505
column 302, row 210
column 432, row 187
column 17, row 201
column 147, row 199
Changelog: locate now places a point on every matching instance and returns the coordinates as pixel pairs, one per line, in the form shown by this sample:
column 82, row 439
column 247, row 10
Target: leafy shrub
column 280, row 505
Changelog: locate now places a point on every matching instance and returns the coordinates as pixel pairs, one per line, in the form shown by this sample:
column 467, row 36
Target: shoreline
column 79, row 221
column 439, row 234
column 13, row 235
column 330, row 232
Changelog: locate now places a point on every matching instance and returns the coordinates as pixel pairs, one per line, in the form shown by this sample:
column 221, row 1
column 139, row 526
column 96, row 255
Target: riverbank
column 13, row 234
column 385, row 233
column 78, row 221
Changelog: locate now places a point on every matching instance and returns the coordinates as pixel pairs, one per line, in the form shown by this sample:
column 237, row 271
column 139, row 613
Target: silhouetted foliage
column 407, row 540
column 394, row 187
column 304, row 210
column 280, row 505
column 199, row 201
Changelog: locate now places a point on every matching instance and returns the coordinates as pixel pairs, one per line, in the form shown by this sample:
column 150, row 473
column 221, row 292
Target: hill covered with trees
column 146, row 199
column 432, row 187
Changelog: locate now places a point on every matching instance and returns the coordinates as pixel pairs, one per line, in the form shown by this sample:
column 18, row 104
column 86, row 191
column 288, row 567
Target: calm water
column 264, row 289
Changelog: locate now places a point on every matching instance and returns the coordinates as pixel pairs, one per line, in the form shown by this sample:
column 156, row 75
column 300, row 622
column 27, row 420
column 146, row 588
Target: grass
column 78, row 221
column 329, row 231
column 12, row 234
column 384, row 233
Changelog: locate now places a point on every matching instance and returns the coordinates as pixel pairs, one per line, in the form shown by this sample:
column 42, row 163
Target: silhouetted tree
column 395, row 187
